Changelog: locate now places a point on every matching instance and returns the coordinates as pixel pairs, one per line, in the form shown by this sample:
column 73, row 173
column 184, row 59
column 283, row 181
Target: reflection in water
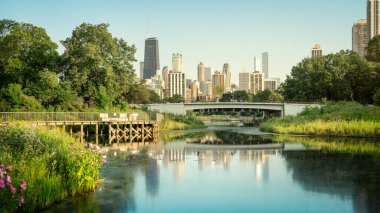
column 345, row 175
column 183, row 178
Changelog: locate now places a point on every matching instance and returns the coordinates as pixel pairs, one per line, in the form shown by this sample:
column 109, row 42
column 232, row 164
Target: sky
column 210, row 31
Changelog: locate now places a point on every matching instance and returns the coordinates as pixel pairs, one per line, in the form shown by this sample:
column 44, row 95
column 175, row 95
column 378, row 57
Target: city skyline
column 213, row 37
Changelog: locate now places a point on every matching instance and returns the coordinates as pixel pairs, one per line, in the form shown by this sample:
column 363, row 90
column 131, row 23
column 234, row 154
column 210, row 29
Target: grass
column 180, row 122
column 348, row 119
column 53, row 164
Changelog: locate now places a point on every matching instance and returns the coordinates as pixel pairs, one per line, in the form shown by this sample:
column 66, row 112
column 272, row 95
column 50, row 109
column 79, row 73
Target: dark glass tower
column 151, row 58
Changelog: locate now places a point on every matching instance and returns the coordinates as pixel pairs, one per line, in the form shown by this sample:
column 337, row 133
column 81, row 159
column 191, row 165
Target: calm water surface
column 225, row 171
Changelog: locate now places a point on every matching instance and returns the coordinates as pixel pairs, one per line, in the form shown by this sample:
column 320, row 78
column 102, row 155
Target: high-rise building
column 316, row 51
column 265, row 64
column 188, row 82
column 209, row 71
column 151, row 58
column 278, row 82
column 257, row 82
column 194, row 87
column 141, row 70
column 217, row 85
column 270, row 84
column 201, row 72
column 256, row 64
column 165, row 75
column 245, row 81
column 177, row 65
column 156, row 83
column 359, row 37
column 227, row 73
column 176, row 84
column 373, row 18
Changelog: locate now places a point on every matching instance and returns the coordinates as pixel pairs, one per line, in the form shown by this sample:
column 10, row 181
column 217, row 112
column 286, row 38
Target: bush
column 53, row 164
column 376, row 98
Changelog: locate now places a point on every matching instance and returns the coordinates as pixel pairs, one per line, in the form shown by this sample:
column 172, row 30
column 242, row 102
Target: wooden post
column 130, row 132
column 117, row 132
column 109, row 133
column 96, row 133
column 81, row 132
column 142, row 132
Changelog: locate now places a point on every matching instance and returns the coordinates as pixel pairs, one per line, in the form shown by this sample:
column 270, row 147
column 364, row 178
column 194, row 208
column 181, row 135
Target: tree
column 25, row 50
column 102, row 100
column 275, row 97
column 240, row 96
column 336, row 77
column 373, row 49
column 175, row 99
column 226, row 97
column 93, row 57
column 376, row 97
column 262, row 95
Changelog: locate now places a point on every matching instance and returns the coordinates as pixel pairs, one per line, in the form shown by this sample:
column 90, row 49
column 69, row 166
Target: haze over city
column 214, row 32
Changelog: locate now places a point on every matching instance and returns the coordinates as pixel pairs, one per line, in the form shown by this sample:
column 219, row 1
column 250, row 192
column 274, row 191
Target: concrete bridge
column 278, row 109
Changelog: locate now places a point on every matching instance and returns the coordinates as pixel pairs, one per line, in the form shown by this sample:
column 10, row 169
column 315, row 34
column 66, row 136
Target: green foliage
column 25, row 50
column 336, row 77
column 53, row 164
column 177, row 122
column 376, row 97
column 262, row 95
column 226, row 97
column 334, row 119
column 240, row 96
column 175, row 99
column 373, row 49
column 93, row 57
column 102, row 100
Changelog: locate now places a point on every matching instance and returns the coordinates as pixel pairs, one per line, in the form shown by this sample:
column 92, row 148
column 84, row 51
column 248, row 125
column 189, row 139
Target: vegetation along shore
column 349, row 119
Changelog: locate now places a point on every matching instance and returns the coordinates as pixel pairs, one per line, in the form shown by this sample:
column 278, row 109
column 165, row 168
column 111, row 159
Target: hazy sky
column 212, row 31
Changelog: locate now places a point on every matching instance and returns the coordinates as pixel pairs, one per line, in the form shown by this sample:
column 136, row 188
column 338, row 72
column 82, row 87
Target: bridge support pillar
column 81, row 133
column 96, row 133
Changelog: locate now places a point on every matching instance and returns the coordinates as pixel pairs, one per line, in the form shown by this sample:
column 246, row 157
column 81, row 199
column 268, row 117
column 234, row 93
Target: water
column 233, row 174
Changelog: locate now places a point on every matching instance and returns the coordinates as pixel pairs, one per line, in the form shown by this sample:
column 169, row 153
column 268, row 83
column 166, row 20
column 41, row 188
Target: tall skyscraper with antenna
column 151, row 58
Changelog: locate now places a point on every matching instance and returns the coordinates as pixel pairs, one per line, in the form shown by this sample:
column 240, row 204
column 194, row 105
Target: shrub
column 376, row 98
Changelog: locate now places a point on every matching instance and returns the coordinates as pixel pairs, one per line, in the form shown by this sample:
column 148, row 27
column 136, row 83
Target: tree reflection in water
column 340, row 174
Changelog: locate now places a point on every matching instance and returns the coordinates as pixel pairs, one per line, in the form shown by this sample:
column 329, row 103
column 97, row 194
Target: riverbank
column 46, row 166
column 343, row 119
column 180, row 122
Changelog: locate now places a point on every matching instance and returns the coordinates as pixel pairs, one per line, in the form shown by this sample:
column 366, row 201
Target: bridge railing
column 61, row 116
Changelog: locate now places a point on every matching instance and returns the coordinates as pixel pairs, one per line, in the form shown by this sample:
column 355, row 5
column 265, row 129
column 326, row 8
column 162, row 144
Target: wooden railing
column 64, row 116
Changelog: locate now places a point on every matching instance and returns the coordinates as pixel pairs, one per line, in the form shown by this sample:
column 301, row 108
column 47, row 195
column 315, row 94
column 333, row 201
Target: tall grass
column 335, row 119
column 53, row 164
column 180, row 122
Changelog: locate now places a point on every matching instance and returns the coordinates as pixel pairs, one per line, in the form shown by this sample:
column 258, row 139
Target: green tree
column 25, row 50
column 226, row 97
column 102, row 100
column 262, row 95
column 240, row 96
column 376, row 97
column 275, row 97
column 336, row 77
column 93, row 57
column 138, row 93
column 175, row 99
column 373, row 49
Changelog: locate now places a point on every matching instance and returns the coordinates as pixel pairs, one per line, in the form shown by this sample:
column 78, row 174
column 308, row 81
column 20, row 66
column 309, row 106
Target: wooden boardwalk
column 122, row 127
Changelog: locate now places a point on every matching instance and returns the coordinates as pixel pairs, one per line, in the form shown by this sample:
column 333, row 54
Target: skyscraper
column 256, row 64
column 209, row 71
column 176, row 84
column 177, row 63
column 373, row 18
column 257, row 82
column 217, row 85
column 151, row 58
column 265, row 65
column 359, row 37
column 201, row 72
column 245, row 81
column 316, row 51
column 227, row 73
